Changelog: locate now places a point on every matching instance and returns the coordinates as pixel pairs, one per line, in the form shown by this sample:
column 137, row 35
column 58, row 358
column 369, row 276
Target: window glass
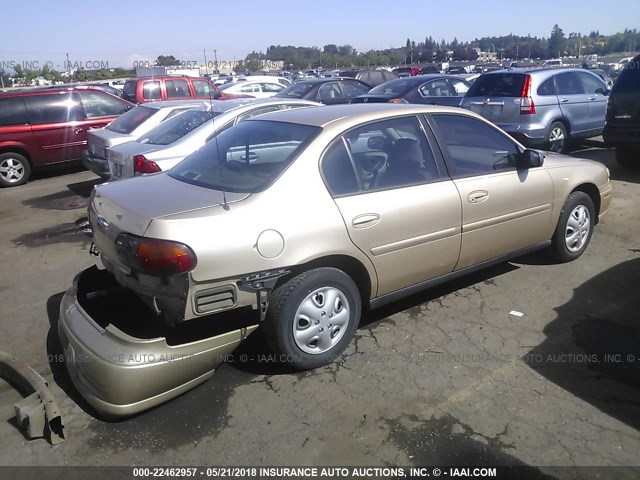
column 568, row 84
column 253, row 88
column 54, row 108
column 328, row 91
column 337, row 170
column 391, row 153
column 435, row 88
column 353, row 89
column 12, row 111
column 97, row 104
column 177, row 88
column 394, row 87
column 131, row 120
column 177, row 127
column 498, row 85
column 548, row 87
column 590, row 83
column 246, row 158
column 297, row 90
column 459, row 87
column 151, row 91
column 129, row 90
column 272, row 87
column 474, row 147
column 203, row 89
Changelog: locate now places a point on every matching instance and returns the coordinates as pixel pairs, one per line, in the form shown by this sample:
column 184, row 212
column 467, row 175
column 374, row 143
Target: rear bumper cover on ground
column 119, row 374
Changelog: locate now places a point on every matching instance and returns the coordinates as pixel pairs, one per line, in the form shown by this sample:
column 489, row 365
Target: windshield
column 498, row 85
column 177, row 127
column 394, row 87
column 296, row 90
column 246, row 158
column 128, row 122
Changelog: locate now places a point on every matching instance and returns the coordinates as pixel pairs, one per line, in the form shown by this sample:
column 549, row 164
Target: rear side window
column 98, row 104
column 177, row 127
column 568, row 84
column 151, row 91
column 131, row 120
column 498, row 85
column 12, row 111
column 54, row 108
column 629, row 79
column 338, row 171
column 548, row 87
column 177, row 88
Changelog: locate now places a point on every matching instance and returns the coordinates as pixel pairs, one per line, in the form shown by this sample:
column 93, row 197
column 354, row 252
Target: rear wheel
column 312, row 318
column 574, row 229
column 557, row 138
column 14, row 169
column 628, row 157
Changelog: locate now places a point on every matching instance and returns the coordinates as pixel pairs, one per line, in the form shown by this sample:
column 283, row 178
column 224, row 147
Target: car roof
column 52, row 90
column 223, row 106
column 325, row 80
column 356, row 113
column 176, row 103
column 165, row 77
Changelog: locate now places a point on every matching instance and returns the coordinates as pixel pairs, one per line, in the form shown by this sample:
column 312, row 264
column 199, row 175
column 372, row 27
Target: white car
column 128, row 127
column 256, row 88
column 170, row 142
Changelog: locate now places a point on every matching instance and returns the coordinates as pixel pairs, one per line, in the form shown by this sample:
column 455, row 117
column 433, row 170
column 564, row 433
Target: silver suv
column 542, row 108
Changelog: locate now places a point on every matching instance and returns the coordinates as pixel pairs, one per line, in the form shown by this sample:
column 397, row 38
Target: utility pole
column 215, row 61
column 68, row 65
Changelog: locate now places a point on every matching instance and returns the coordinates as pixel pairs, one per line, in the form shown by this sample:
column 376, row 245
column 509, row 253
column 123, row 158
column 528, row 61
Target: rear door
column 57, row 122
column 409, row 227
column 574, row 103
column 503, row 209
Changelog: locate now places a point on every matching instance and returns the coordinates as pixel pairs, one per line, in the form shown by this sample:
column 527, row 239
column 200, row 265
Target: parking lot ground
column 525, row 363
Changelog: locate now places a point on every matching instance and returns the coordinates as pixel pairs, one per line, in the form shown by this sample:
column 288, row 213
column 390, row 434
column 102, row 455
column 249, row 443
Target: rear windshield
column 629, row 79
column 177, row 127
column 498, row 85
column 394, row 87
column 129, row 90
column 131, row 120
column 296, row 90
column 246, row 158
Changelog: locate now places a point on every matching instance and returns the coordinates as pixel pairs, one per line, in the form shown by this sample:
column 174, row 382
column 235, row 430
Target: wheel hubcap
column 321, row 320
column 578, row 228
column 11, row 170
column 556, row 139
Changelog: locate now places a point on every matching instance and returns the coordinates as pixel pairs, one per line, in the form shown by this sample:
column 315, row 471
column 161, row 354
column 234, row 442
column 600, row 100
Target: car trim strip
column 414, row 241
column 470, row 227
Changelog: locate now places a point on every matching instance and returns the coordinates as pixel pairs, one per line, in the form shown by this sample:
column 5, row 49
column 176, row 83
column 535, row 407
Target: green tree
column 167, row 61
column 557, row 42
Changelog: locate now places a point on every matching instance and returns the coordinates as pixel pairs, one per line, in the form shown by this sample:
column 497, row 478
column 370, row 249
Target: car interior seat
column 405, row 164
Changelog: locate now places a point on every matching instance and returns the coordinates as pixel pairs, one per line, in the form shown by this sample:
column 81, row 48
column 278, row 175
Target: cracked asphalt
column 449, row 376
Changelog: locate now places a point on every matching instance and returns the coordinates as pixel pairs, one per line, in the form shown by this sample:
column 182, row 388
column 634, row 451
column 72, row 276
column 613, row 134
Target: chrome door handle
column 564, row 100
column 78, row 131
column 478, row 196
column 592, row 98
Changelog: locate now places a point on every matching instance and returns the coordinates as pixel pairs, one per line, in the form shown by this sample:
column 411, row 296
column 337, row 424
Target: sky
column 125, row 33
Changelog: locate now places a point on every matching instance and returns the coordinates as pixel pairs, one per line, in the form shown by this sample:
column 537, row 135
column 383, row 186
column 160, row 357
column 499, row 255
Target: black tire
column 577, row 208
column 309, row 288
column 15, row 169
column 557, row 138
column 628, row 157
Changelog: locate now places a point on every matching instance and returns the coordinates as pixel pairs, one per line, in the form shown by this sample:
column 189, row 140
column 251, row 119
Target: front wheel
column 575, row 227
column 557, row 138
column 14, row 169
column 312, row 318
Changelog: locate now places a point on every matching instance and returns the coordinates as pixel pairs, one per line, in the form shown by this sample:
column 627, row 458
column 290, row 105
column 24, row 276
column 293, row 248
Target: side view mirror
column 376, row 143
column 530, row 159
column 603, row 91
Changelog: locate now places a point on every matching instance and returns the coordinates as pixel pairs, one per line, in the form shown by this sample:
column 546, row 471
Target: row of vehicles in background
column 541, row 107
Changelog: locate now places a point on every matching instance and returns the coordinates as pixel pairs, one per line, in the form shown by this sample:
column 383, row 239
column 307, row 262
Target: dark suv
column 622, row 129
column 46, row 126
column 153, row 89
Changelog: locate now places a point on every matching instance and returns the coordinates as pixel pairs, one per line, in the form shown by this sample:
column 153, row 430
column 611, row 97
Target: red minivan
column 172, row 87
column 46, row 126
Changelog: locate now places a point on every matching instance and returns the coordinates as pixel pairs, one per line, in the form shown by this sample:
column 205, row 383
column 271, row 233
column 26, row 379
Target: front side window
column 246, row 158
column 474, row 147
column 459, row 87
column 54, row 108
column 203, row 89
column 329, row 91
column 98, row 104
column 352, row 89
column 435, row 88
column 272, row 87
column 151, row 91
column 177, row 127
column 590, row 84
column 296, row 90
column 177, row 88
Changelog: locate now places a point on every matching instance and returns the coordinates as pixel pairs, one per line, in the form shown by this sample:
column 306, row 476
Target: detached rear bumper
column 97, row 165
column 120, row 374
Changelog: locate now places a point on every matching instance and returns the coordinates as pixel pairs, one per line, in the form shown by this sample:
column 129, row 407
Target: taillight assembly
column 159, row 258
column 142, row 166
column 527, row 107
